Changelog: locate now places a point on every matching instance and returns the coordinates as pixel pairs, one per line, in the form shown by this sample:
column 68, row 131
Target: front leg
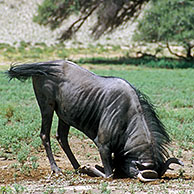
column 107, row 171
column 92, row 171
column 106, row 158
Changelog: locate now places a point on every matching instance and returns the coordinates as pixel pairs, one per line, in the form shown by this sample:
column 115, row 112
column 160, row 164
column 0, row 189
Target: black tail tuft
column 25, row 71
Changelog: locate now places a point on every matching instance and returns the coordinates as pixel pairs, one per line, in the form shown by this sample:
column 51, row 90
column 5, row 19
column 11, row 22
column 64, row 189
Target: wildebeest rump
column 109, row 110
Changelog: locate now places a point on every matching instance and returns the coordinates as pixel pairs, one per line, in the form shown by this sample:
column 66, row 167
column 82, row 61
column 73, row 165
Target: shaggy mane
column 156, row 127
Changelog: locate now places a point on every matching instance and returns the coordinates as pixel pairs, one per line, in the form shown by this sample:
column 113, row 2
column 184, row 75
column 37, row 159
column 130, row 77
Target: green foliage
column 6, row 190
column 26, row 51
column 18, row 188
column 34, row 160
column 53, row 12
column 104, row 188
column 23, row 154
column 142, row 61
column 110, row 14
column 168, row 21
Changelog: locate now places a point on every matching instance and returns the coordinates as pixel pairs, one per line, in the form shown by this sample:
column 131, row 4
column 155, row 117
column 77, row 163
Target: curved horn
column 168, row 162
column 147, row 175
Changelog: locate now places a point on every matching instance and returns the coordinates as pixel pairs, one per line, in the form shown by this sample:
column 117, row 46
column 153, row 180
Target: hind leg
column 47, row 115
column 44, row 95
column 62, row 137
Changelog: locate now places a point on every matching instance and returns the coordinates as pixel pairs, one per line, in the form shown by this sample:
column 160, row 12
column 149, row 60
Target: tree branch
column 169, row 49
column 73, row 29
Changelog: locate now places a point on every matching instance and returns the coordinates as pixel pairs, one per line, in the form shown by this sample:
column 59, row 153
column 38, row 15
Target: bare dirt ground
column 181, row 180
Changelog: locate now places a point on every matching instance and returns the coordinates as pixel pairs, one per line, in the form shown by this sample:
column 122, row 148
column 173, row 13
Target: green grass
column 98, row 54
column 172, row 91
column 27, row 52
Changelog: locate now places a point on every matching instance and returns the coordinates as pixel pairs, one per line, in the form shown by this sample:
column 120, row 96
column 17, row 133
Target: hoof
column 55, row 169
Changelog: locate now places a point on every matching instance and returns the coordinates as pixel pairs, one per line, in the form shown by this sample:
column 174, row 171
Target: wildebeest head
column 145, row 149
column 145, row 171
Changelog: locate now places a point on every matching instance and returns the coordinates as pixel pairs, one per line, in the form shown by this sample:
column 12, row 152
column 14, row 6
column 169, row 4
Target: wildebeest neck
column 146, row 135
column 138, row 136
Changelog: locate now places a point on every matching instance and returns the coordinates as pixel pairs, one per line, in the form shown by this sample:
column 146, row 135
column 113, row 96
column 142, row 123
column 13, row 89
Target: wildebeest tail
column 25, row 71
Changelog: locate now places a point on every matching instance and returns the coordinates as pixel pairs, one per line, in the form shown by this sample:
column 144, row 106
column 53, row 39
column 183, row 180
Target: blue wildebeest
column 131, row 140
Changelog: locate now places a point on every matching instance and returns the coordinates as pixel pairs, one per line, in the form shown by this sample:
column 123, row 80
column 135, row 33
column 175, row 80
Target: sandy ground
column 40, row 180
